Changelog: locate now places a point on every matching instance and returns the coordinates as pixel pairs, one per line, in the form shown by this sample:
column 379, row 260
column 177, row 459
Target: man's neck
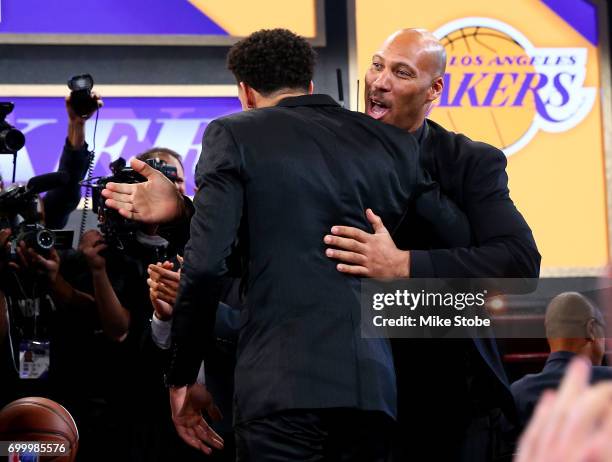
column 274, row 98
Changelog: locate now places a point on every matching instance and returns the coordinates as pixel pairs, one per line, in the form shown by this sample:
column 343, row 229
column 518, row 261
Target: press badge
column 34, row 359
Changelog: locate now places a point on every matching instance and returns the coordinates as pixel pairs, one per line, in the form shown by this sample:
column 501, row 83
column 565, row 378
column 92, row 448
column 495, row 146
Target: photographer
column 4, row 235
column 34, row 330
column 114, row 317
column 3, row 317
column 159, row 200
column 75, row 161
column 118, row 258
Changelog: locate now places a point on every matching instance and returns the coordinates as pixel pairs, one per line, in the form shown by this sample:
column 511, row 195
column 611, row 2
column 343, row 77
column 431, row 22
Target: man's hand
column 92, row 243
column 30, row 261
column 73, row 117
column 364, row 254
column 573, row 424
column 187, row 404
column 163, row 288
column 153, row 201
column 4, row 236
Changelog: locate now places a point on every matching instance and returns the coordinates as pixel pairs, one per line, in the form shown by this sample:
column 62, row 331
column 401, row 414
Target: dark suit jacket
column 285, row 175
column 473, row 175
column 527, row 391
column 60, row 202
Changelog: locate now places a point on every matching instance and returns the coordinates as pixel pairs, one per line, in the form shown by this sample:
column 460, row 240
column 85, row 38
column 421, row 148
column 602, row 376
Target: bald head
column 574, row 324
column 405, row 78
column 429, row 53
column 568, row 314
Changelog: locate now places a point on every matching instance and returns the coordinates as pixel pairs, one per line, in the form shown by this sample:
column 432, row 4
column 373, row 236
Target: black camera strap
column 90, row 168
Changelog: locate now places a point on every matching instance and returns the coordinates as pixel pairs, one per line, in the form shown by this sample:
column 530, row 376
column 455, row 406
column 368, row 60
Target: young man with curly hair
column 308, row 386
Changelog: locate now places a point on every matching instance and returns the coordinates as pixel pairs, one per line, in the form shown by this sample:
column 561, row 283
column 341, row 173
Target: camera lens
column 45, row 239
column 81, row 82
column 11, row 139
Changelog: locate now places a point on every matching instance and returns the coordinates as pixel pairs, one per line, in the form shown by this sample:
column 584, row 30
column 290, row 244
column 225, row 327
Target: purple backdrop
column 126, row 127
column 161, row 17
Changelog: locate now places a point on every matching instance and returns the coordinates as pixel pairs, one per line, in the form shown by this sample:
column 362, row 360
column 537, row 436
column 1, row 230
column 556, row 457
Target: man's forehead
column 412, row 48
column 393, row 54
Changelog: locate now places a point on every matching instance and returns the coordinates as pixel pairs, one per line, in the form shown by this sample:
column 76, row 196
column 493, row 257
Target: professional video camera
column 19, row 211
column 11, row 139
column 118, row 231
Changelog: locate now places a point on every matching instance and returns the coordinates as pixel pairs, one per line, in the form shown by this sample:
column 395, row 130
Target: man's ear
column 592, row 331
column 436, row 88
column 311, row 88
column 248, row 93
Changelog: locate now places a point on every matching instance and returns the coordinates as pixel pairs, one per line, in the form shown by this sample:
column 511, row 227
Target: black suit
column 285, row 175
column 528, row 390
column 461, row 383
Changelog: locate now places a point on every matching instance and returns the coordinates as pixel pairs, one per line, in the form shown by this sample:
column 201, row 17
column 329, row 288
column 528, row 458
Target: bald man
column 574, row 327
column 450, row 393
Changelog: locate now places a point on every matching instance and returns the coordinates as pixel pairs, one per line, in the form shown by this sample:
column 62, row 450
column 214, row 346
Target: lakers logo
column 501, row 89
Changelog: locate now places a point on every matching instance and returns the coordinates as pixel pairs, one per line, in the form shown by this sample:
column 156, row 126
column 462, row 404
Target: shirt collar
column 307, row 100
column 421, row 132
column 560, row 356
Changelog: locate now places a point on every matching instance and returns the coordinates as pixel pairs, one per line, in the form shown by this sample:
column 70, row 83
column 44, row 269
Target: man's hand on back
column 364, row 254
column 154, row 201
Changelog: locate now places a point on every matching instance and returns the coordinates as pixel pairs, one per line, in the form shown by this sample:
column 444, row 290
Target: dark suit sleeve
column 60, row 202
column 214, row 226
column 503, row 243
column 447, row 221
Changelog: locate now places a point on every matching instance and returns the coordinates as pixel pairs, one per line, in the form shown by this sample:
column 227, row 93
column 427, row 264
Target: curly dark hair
column 272, row 59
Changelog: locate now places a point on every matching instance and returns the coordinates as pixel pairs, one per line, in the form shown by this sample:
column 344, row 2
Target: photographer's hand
column 154, row 201
column 31, row 261
column 4, row 236
column 76, row 123
column 114, row 317
column 92, row 243
column 49, row 266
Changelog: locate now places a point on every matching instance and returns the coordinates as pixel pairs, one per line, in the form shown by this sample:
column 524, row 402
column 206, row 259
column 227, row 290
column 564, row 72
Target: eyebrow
column 397, row 63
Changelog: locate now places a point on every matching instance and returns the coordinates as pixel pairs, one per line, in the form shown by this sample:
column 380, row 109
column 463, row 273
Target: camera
column 169, row 171
column 36, row 237
column 119, row 231
column 11, row 139
column 20, row 211
column 81, row 99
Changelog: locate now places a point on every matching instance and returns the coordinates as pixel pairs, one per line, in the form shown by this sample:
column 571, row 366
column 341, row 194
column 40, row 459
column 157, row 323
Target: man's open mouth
column 377, row 109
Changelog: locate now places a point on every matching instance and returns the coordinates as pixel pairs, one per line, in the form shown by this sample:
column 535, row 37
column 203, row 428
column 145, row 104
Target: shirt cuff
column 160, row 332
column 201, row 375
